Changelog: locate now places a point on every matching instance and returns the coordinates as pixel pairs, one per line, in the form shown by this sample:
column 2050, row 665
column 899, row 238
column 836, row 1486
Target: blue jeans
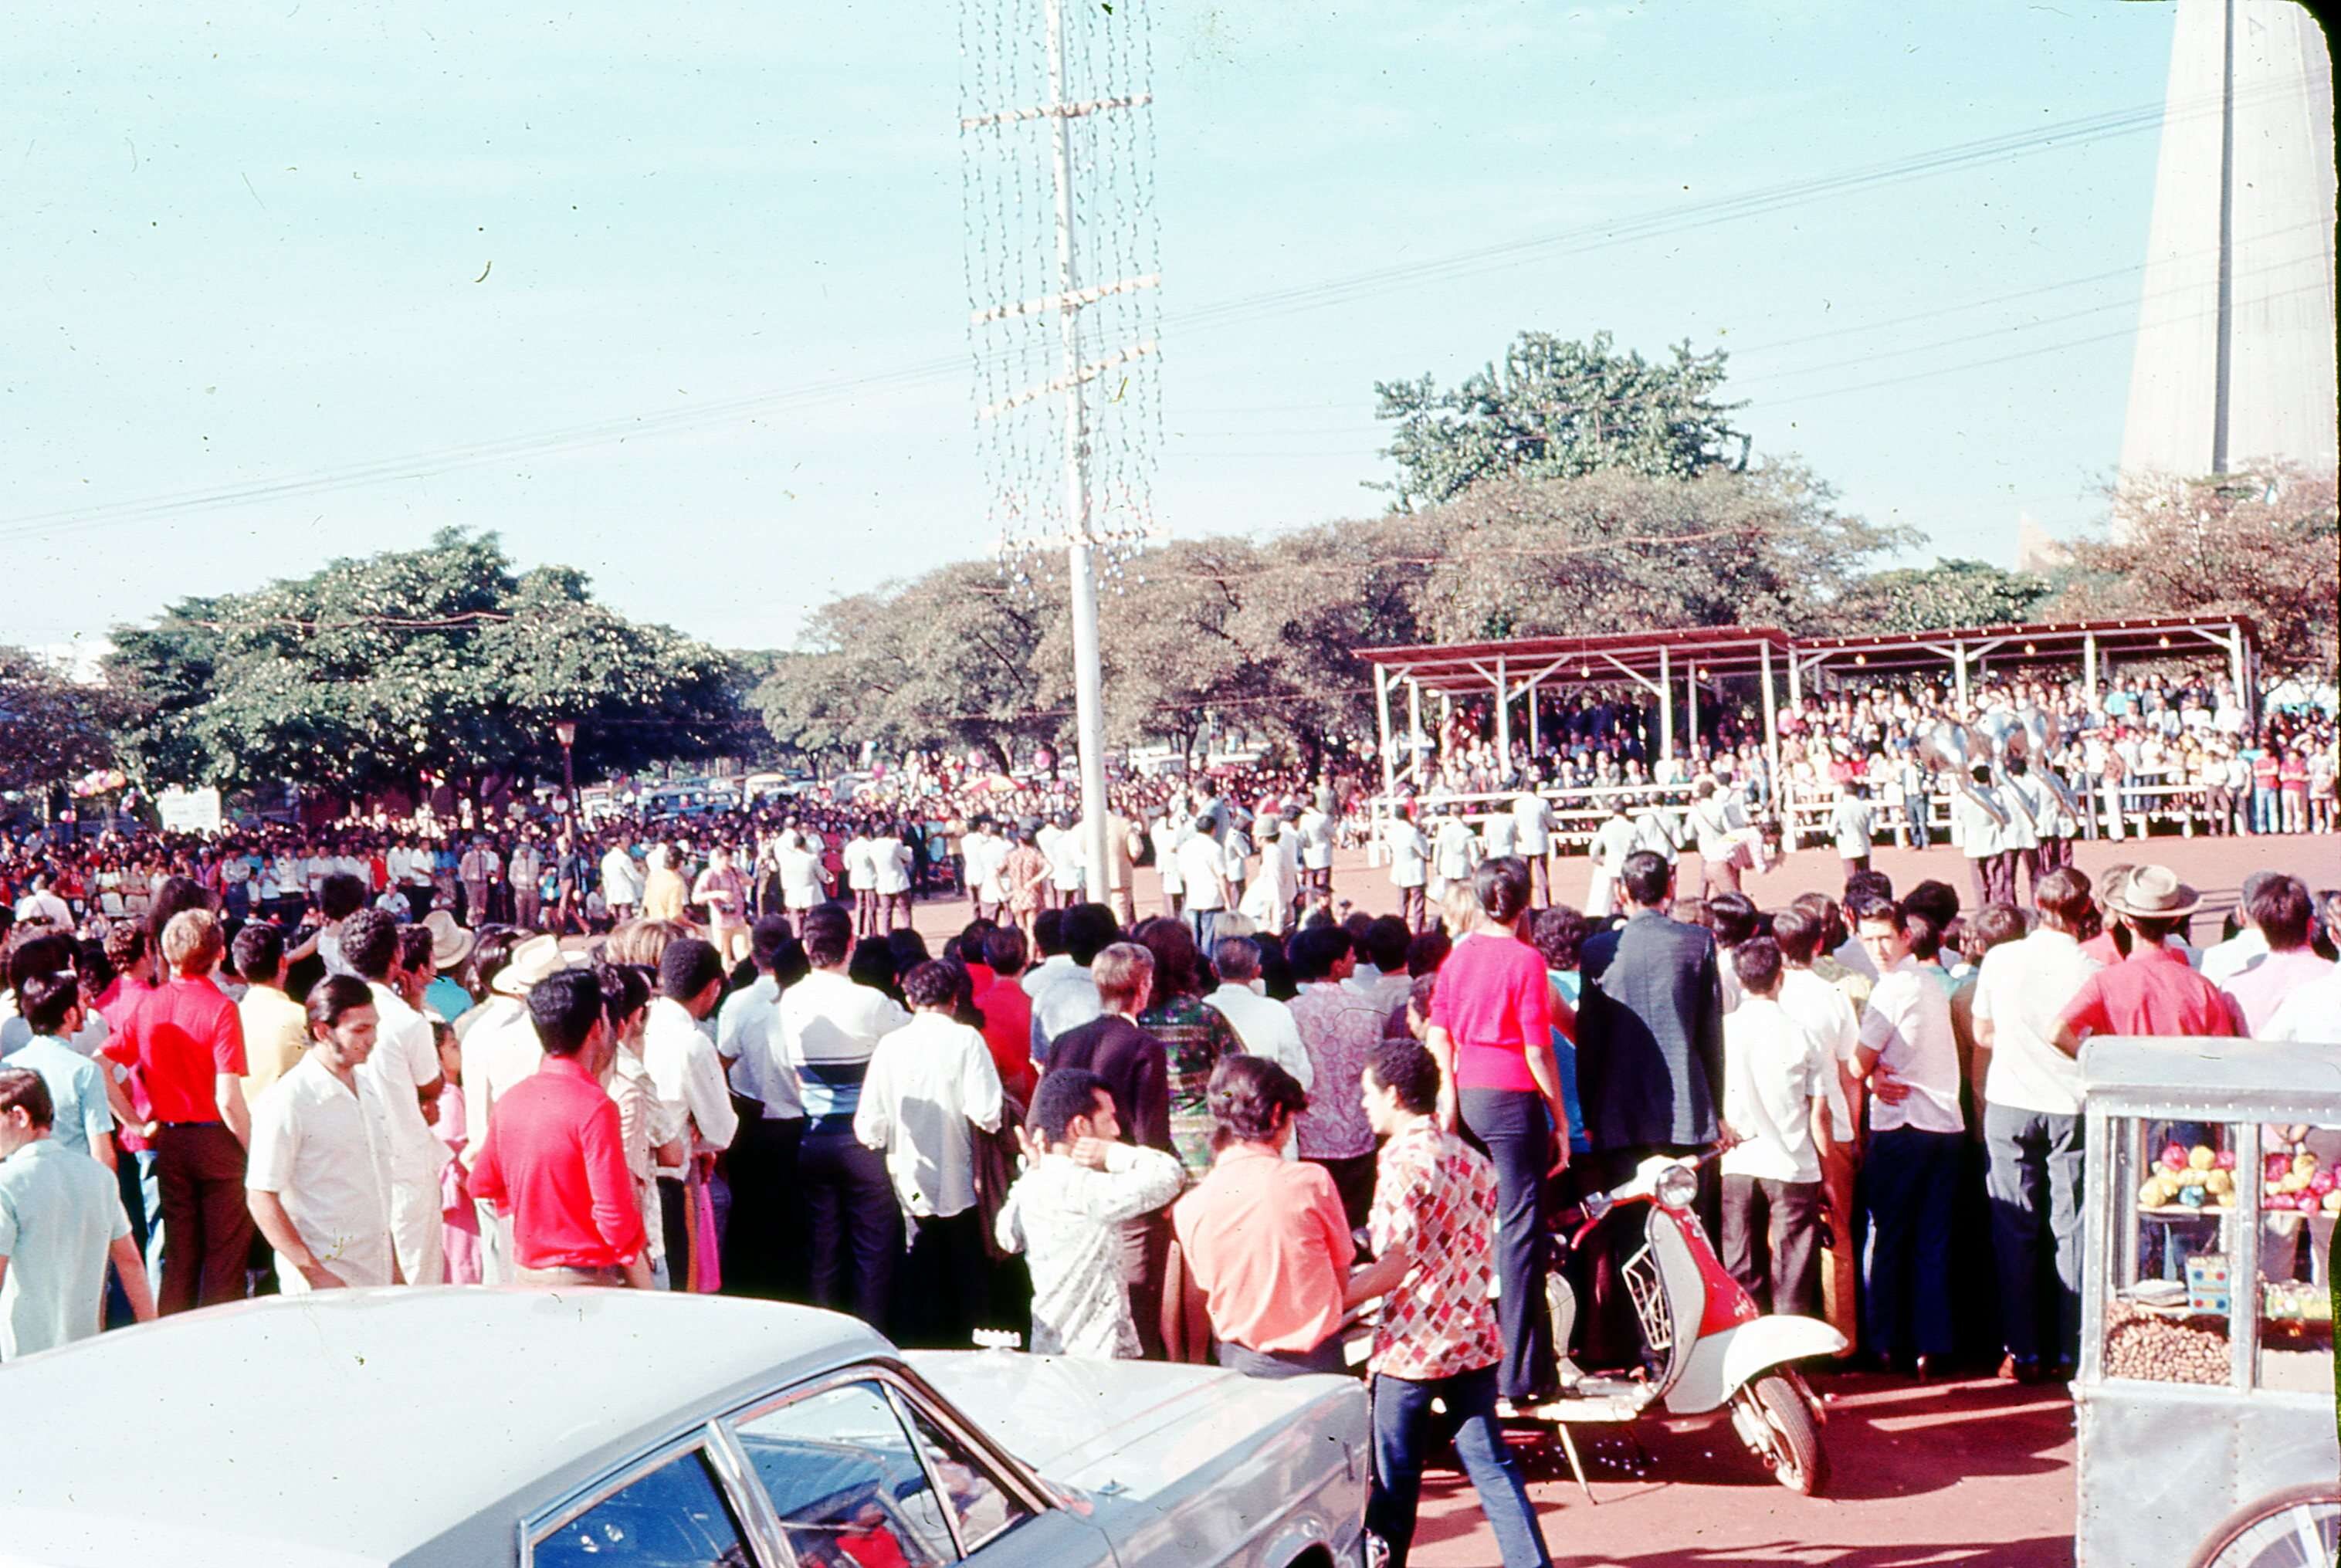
column 1908, row 1179
column 1402, row 1423
column 2035, row 1176
column 1513, row 1127
column 2266, row 818
column 1205, row 923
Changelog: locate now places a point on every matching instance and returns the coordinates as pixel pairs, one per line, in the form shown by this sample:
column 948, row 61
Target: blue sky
column 246, row 244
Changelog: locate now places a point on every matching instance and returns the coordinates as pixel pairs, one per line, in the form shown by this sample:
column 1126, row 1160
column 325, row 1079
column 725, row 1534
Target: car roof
column 377, row 1425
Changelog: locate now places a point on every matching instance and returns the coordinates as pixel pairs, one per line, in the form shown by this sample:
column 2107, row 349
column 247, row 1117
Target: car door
column 863, row 1469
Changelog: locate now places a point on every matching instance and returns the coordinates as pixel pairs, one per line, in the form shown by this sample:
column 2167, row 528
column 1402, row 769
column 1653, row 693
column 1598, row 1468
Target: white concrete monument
column 2235, row 329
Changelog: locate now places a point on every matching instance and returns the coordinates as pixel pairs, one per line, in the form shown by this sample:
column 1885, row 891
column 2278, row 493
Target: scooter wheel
column 1792, row 1445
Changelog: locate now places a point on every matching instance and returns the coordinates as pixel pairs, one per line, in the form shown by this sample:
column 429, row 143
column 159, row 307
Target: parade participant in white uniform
column 1612, row 842
column 1532, row 838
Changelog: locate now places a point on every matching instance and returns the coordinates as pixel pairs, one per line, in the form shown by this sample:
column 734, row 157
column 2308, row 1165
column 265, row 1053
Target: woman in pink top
column 1491, row 1022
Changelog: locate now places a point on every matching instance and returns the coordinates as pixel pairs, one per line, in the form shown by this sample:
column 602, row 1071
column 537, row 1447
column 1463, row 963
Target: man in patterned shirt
column 1433, row 1228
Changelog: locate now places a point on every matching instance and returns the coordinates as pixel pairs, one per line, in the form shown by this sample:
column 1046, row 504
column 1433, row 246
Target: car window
column 848, row 1486
column 982, row 1508
column 673, row 1517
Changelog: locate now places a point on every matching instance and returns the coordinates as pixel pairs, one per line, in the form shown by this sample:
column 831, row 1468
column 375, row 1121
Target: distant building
column 2037, row 549
column 2235, row 326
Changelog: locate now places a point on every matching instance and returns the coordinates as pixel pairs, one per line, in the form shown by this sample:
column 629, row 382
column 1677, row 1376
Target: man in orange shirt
column 1264, row 1236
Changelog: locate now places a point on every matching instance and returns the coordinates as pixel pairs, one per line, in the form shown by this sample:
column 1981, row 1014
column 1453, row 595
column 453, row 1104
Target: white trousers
column 417, row 1233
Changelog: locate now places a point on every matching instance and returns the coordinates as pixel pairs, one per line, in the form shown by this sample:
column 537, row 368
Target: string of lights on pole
column 1063, row 288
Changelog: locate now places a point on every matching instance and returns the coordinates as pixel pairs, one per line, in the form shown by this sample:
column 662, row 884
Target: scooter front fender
column 1720, row 1365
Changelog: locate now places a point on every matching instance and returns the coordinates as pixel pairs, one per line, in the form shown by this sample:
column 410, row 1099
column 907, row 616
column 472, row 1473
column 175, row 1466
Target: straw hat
column 532, row 961
column 2154, row 893
column 450, row 943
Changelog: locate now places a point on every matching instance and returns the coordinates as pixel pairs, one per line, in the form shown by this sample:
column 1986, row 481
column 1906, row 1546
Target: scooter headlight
column 1676, row 1188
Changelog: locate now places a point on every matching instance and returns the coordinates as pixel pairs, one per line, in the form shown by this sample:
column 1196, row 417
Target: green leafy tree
column 2264, row 543
column 53, row 728
column 443, row 660
column 953, row 657
column 1949, row 593
column 1555, row 409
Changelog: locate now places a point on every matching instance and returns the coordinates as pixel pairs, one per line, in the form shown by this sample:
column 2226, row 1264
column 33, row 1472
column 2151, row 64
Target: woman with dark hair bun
column 1491, row 1022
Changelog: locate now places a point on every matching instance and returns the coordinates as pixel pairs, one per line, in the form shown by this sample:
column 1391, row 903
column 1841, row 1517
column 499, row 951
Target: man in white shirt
column 404, row 1067
column 318, row 1177
column 688, row 1074
column 500, row 1048
column 1532, row 835
column 622, row 882
column 1164, row 835
column 800, row 868
column 527, row 877
column 890, row 868
column 1612, row 842
column 1776, row 1093
column 830, row 1029
column 2031, row 1103
column 1315, row 831
column 763, row 1236
column 1068, row 864
column 1911, row 1061
column 1454, row 851
column 1270, row 899
column 42, row 904
column 1263, row 1024
column 1204, row 876
column 1983, row 821
column 1827, row 1015
column 1066, row 1213
column 1849, row 825
column 930, row 1086
column 1063, row 994
column 861, row 880
column 1410, row 854
column 981, row 853
column 1499, row 834
column 2223, row 961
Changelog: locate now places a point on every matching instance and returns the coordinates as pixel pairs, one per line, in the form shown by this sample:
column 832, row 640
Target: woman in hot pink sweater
column 1491, row 1022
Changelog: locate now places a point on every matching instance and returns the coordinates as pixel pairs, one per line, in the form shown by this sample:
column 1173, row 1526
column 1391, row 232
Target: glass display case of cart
column 2205, row 1395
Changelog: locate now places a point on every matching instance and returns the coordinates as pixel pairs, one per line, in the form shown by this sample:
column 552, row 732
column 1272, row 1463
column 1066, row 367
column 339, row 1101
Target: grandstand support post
column 1665, row 709
column 1960, row 670
column 1690, row 708
column 1536, row 740
column 1414, row 732
column 2089, row 669
column 1796, row 682
column 1381, row 712
column 1504, row 720
column 1772, row 731
column 2239, row 671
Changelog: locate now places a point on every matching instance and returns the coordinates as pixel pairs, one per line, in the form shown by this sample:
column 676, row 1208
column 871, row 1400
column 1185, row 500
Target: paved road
column 2217, row 866
column 1976, row 1471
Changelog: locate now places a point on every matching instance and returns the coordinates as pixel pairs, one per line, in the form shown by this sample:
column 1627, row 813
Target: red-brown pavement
column 2216, row 866
column 1976, row 1471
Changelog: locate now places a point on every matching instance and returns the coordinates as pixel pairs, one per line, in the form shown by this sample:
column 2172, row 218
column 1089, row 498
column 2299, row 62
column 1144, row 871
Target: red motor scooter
column 1709, row 1348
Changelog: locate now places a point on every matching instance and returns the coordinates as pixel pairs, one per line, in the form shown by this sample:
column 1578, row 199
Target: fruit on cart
column 2221, row 1183
column 2202, row 1157
column 2226, row 1160
column 2174, row 1156
column 2332, row 1201
column 2324, row 1181
column 2156, row 1193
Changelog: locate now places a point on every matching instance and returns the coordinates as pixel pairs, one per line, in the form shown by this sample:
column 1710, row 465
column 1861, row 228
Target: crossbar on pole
column 1070, row 380
column 1074, row 300
column 1055, row 111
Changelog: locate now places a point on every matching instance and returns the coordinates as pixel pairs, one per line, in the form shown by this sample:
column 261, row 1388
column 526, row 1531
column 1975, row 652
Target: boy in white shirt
column 1775, row 1098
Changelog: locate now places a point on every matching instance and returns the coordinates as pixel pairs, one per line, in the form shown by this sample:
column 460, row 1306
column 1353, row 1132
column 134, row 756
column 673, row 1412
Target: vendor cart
column 2206, row 1398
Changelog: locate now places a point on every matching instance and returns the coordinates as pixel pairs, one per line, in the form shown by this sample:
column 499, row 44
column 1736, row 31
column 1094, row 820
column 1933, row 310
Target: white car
column 638, row 1430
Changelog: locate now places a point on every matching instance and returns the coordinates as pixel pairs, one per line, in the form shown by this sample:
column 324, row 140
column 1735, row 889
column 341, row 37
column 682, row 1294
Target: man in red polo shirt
column 186, row 1042
column 2153, row 992
column 554, row 1161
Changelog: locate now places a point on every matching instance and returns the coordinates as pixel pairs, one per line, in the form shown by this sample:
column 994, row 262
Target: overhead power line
column 1676, row 219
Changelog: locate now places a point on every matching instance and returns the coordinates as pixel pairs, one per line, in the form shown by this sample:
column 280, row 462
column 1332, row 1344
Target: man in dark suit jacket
column 1649, row 1065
